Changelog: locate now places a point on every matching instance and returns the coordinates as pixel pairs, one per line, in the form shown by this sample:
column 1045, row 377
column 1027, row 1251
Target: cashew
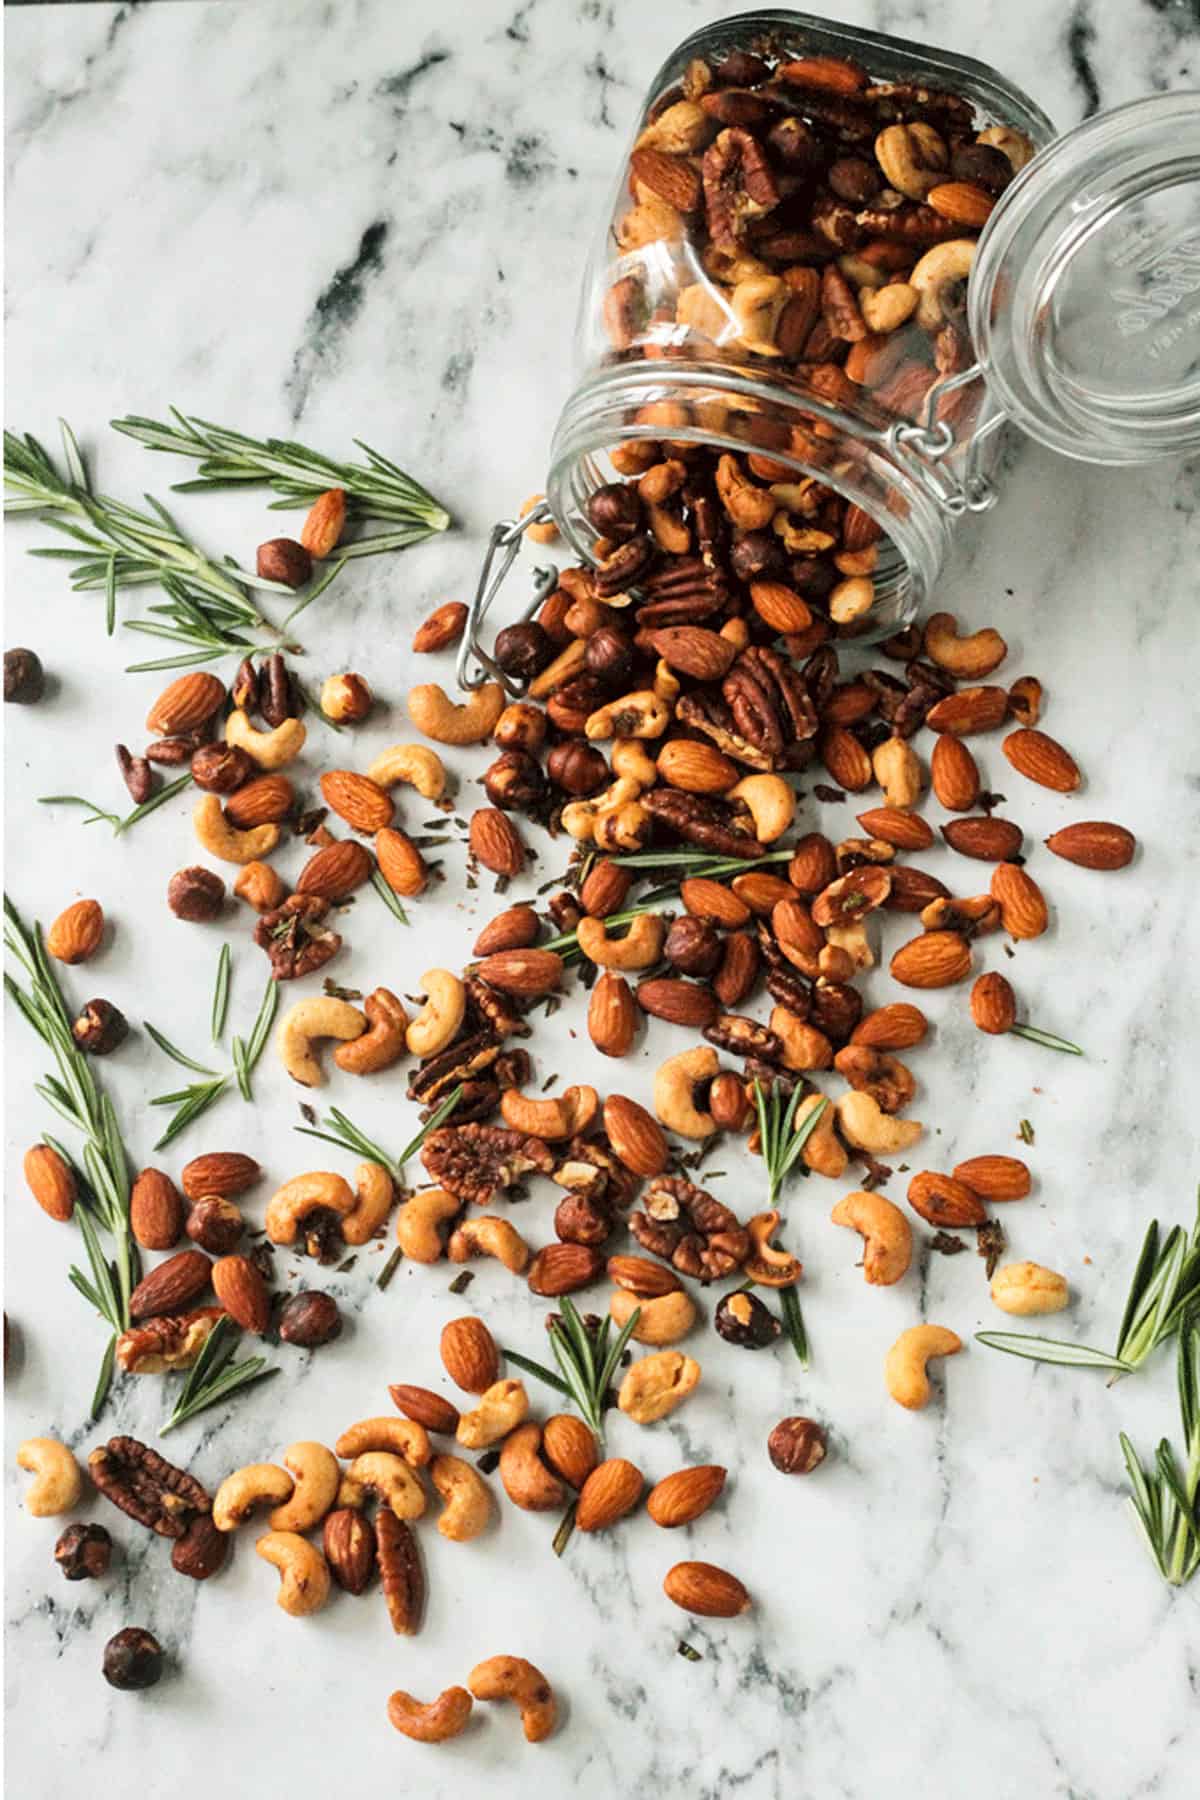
column 467, row 1497
column 639, row 715
column 215, row 834
column 1010, row 142
column 638, row 949
column 770, row 802
column 321, row 1016
column 438, row 1021
column 885, row 309
column 566, row 664
column 317, row 1479
column 898, row 772
column 1027, row 1287
column 502, row 1407
column 374, row 1194
column 415, row 765
column 303, row 1194
column 434, row 1721
column 383, row 1043
column 666, row 683
column 757, row 307
column 913, row 158
column 823, row 1150
column 887, row 1249
column 612, row 820
column 864, row 1125
column 512, row 1678
column 938, row 269
column 967, row 658
column 488, row 1235
column 399, row 1437
column 418, row 1220
column 904, row 1369
column 663, row 1319
column 632, row 761
column 854, row 941
column 266, row 749
column 58, row 1479
column 767, row 1265
column 351, row 1493
column 436, row 716
column 655, row 1385
column 568, row 1114
column 675, row 1084
column 258, row 1484
column 390, row 1479
column 851, row 599
column 527, row 1481
column 303, row 1572
column 804, row 1047
column 751, row 508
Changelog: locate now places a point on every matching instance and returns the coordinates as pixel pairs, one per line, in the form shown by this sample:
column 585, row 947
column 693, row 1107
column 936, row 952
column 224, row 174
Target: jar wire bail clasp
column 925, row 445
column 475, row 665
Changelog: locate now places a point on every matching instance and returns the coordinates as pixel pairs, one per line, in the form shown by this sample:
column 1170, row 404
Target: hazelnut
column 757, row 555
column 346, row 699
column 982, row 164
column 196, row 894
column 854, row 178
column 514, row 782
column 523, row 650
column 742, row 1319
column 100, row 1028
column 310, row 1319
column 812, row 578
column 202, row 1549
column 215, row 1224
column 24, row 677
column 796, row 1446
column 521, row 727
column 577, row 767
column 133, row 1659
column 83, row 1552
column 609, row 655
column 580, row 1219
column 615, row 511
column 220, row 768
column 283, row 559
column 693, row 946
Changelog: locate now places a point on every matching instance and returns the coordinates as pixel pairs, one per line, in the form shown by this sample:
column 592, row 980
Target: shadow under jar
column 835, row 264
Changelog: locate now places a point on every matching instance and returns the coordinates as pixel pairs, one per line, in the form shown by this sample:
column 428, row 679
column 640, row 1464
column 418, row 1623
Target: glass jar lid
column 1085, row 295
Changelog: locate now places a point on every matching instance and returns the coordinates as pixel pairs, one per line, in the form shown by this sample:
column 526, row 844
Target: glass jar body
column 774, row 284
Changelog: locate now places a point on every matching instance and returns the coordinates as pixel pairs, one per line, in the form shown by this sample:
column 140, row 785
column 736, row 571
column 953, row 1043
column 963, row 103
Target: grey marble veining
column 369, row 219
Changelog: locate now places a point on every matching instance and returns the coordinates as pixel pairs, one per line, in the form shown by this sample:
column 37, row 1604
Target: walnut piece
column 477, row 1162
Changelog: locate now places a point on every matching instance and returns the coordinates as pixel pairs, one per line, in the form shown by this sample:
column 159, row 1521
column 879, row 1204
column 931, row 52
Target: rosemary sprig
column 196, row 1099
column 781, row 1142
column 118, row 823
column 1164, row 1290
column 347, row 1136
column 213, row 1377
column 586, row 1360
column 1166, row 1502
column 376, row 489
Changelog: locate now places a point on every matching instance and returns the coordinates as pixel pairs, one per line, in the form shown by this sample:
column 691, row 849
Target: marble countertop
column 368, row 220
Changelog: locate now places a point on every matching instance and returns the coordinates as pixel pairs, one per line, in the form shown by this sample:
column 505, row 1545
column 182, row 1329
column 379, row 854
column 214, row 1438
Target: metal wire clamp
column 475, row 665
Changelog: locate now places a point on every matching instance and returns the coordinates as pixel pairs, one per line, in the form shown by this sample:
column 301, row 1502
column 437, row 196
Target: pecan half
column 400, row 1571
column 462, row 1061
column 738, row 186
column 477, row 1162
column 688, row 1228
column 697, row 820
column 714, row 719
column 295, row 939
column 146, row 1486
column 497, row 1011
column 744, row 1037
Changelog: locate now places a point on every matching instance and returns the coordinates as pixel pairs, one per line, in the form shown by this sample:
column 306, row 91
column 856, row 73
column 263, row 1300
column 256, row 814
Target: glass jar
column 783, row 279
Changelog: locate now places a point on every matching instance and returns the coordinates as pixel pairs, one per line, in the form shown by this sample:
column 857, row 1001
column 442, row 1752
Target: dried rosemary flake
column 1025, row 1132
column 990, row 1244
column 389, row 1268
column 340, row 993
column 344, row 1268
column 689, row 1651
column 462, row 1282
column 946, row 1244
column 307, row 1113
column 488, row 1461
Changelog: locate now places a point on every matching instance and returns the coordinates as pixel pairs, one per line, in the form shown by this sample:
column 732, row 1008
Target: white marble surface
column 956, row 1603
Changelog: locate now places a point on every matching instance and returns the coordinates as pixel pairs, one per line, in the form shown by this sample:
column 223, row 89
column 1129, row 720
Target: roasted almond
column 172, row 1285
column 612, row 1015
column 223, row 1172
column 985, row 837
column 400, row 863
column 426, row 1408
column 913, row 889
column 185, row 704
column 679, row 1498
column 569, row 1447
column 778, row 607
column 1023, row 909
column 636, row 1137
column 849, row 703
column 993, row 1003
column 964, row 203
column 690, row 650
column 526, row 972
column 444, row 626
column 469, row 1354
column 638, row 1275
column 1039, row 758
column 75, row 934
column 696, row 768
column 994, row 1177
column 827, row 74
column 513, row 929
column 335, row 871
column 604, row 888
column 1093, row 844
column 954, row 774
column 348, row 1540
column 678, row 1002
column 51, row 1181
column 903, row 830
column 361, row 802
column 969, row 710
column 324, row 523
column 559, row 1269
column 704, row 1589
column 944, row 1202
column 495, row 842
column 813, row 865
column 761, row 892
column 264, row 801
column 797, row 933
column 242, row 1292
column 672, row 178
column 611, row 1490
column 738, row 972
column 846, row 760
column 155, row 1210
column 936, row 959
column 897, row 1026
